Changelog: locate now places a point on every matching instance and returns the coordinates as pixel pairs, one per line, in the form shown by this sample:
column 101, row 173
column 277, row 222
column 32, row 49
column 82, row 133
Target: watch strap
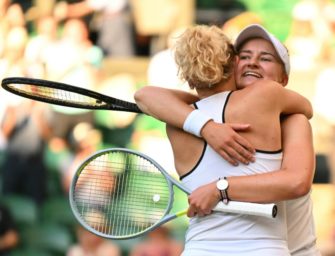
column 224, row 194
column 221, row 193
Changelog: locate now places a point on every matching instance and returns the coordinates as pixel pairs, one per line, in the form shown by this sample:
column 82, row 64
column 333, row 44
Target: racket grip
column 264, row 210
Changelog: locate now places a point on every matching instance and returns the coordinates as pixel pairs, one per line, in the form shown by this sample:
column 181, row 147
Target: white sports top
column 301, row 227
column 232, row 234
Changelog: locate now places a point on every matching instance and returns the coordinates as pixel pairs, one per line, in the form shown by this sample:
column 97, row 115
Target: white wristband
column 195, row 121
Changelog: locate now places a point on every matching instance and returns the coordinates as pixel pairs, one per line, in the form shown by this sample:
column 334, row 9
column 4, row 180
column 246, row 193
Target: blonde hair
column 204, row 56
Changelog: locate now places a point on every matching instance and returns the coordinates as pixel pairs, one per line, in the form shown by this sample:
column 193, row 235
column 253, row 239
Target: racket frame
column 167, row 216
column 111, row 102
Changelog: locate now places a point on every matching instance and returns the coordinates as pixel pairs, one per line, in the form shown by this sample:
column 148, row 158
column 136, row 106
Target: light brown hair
column 205, row 56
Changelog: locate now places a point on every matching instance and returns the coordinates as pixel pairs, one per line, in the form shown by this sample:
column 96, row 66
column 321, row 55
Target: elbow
column 142, row 97
column 302, row 191
column 309, row 112
column 299, row 189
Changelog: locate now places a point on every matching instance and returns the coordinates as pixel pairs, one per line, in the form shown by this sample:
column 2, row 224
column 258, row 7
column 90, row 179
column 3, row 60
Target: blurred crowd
column 70, row 41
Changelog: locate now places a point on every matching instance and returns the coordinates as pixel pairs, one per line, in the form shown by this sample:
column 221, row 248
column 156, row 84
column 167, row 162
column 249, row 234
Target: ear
column 284, row 80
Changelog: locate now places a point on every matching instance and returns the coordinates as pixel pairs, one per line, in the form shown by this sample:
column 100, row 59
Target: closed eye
column 244, row 57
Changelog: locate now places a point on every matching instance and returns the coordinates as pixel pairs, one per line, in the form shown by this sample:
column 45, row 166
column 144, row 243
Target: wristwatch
column 222, row 185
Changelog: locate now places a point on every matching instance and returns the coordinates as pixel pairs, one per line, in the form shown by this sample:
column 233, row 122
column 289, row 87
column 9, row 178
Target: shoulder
column 266, row 85
column 265, row 88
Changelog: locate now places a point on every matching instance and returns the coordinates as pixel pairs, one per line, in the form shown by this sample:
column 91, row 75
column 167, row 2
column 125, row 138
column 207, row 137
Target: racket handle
column 265, row 210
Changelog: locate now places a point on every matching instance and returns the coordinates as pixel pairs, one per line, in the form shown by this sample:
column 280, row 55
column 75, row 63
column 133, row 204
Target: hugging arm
column 295, row 177
column 278, row 98
column 171, row 107
column 293, row 180
column 298, row 104
column 168, row 105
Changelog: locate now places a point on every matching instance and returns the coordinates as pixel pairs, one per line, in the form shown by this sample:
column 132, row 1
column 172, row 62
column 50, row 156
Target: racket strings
column 56, row 95
column 119, row 195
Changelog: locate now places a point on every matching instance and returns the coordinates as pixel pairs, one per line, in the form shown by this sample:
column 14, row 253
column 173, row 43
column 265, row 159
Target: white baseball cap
column 256, row 30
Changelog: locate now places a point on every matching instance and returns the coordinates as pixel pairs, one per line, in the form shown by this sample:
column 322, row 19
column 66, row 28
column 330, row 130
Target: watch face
column 222, row 184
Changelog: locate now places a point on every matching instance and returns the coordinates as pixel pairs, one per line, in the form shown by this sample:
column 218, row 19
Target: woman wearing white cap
column 257, row 48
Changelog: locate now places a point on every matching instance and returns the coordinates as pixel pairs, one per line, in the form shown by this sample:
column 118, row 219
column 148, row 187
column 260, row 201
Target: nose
column 253, row 62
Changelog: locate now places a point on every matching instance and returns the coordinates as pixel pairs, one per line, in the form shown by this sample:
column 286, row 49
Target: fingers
column 197, row 211
column 240, row 127
column 224, row 139
column 237, row 153
column 191, row 212
column 231, row 160
column 242, row 154
column 238, row 149
column 241, row 149
column 244, row 147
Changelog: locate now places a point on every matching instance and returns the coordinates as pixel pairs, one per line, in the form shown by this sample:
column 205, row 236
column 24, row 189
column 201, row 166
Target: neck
column 220, row 87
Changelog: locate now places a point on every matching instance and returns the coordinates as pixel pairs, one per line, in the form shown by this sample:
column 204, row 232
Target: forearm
column 169, row 106
column 296, row 104
column 306, row 108
column 265, row 188
column 293, row 179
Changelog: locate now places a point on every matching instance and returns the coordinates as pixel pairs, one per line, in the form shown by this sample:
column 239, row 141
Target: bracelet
column 195, row 121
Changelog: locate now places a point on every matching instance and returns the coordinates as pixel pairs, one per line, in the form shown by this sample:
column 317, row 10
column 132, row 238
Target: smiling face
column 257, row 59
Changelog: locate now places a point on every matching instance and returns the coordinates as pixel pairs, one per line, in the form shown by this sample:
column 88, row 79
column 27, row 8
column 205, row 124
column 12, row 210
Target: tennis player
column 295, row 176
column 206, row 60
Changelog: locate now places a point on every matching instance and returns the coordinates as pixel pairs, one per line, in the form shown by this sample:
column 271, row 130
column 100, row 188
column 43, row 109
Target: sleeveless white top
column 232, row 234
column 301, row 227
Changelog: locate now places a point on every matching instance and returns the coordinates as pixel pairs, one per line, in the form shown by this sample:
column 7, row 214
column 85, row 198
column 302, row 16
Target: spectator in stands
column 158, row 243
column 83, row 58
column 80, row 68
column 308, row 35
column 40, row 44
column 162, row 68
column 114, row 26
column 90, row 244
column 85, row 140
column 26, row 127
column 12, row 61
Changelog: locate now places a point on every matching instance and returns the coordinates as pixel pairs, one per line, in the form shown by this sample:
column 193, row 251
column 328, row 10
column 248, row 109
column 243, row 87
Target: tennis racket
column 65, row 95
column 120, row 194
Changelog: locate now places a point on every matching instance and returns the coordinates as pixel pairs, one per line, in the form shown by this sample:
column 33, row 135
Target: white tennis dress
column 301, row 227
column 221, row 234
